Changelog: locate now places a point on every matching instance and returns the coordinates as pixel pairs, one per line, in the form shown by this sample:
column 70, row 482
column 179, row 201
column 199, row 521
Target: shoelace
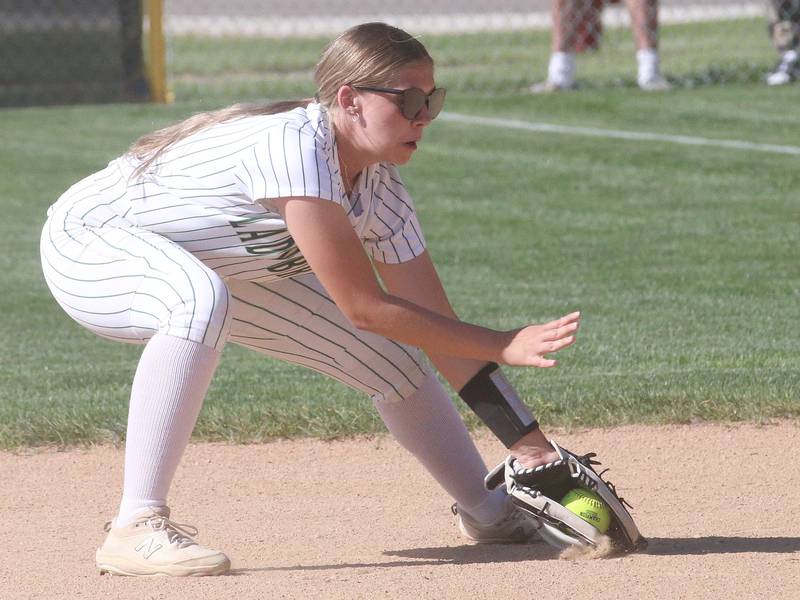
column 177, row 533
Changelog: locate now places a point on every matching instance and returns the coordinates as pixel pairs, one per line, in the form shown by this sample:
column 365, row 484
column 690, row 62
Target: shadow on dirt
column 721, row 545
column 656, row 547
column 477, row 554
column 445, row 555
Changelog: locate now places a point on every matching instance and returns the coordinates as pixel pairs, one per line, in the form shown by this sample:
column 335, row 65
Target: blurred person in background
column 784, row 29
column 577, row 27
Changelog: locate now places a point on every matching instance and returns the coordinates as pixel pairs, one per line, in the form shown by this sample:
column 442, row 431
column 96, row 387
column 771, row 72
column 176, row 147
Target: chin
column 402, row 157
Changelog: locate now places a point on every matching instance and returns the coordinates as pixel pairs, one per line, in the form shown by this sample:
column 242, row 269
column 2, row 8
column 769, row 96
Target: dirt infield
column 360, row 519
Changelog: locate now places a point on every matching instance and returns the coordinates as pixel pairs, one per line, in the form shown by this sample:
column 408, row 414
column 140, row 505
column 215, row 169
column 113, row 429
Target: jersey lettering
column 249, row 236
column 297, row 261
column 277, row 247
column 243, row 222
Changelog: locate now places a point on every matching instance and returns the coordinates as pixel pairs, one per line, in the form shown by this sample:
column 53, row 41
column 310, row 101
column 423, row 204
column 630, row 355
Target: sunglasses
column 412, row 100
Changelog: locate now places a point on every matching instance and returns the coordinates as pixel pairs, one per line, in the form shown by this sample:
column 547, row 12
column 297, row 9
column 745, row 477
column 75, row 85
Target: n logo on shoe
column 147, row 549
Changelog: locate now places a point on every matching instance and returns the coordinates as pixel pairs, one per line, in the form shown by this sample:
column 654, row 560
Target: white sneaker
column 655, row 82
column 154, row 545
column 514, row 527
column 787, row 70
column 548, row 87
column 648, row 71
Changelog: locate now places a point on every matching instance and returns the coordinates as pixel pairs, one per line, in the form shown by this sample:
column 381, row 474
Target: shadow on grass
column 476, row 554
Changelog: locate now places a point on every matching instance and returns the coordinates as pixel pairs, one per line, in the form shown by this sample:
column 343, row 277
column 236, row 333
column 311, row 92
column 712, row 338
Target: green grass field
column 683, row 259
column 485, row 64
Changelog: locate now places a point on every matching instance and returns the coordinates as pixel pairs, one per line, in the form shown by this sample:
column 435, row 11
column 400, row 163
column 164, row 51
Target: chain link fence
column 64, row 52
column 91, row 50
column 268, row 48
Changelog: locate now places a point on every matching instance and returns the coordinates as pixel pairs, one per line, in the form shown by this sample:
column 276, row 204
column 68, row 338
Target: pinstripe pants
column 127, row 284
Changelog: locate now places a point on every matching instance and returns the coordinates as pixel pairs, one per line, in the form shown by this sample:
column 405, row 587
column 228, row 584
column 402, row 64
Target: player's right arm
column 326, row 239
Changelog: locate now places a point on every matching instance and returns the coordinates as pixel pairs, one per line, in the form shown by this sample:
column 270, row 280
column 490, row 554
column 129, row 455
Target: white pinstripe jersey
column 203, row 193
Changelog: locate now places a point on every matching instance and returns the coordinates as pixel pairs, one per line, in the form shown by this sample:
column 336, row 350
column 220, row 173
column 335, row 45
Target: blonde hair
column 367, row 54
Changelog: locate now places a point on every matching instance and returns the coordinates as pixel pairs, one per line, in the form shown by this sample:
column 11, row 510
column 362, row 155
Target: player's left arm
column 417, row 281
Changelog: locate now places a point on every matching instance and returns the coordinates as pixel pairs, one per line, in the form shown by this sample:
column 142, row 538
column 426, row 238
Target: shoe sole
column 541, row 89
column 120, row 566
column 505, row 541
column 533, row 539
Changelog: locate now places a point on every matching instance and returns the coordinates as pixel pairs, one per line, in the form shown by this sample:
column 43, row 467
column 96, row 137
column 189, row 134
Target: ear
column 347, row 99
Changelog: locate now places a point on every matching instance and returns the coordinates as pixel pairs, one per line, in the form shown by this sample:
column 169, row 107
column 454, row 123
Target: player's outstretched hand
column 528, row 346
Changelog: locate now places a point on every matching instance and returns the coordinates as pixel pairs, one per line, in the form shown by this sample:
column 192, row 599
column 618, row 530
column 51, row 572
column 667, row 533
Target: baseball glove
column 537, row 491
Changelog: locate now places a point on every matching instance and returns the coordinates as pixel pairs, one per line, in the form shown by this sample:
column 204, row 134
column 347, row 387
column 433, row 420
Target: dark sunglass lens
column 436, row 102
column 413, row 101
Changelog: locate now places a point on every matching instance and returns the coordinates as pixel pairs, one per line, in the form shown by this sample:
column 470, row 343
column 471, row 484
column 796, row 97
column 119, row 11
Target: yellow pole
column 157, row 62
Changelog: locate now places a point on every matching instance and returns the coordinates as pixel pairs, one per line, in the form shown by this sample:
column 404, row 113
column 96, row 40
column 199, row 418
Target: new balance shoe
column 514, row 527
column 787, row 70
column 155, row 545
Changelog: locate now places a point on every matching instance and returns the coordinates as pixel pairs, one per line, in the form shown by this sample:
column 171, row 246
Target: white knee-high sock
column 168, row 390
column 429, row 426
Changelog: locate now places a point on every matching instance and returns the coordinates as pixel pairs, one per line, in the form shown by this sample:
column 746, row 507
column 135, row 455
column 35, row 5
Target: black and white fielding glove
column 538, row 492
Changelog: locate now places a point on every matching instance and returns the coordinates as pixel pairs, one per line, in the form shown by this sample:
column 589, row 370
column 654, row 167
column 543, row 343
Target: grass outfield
column 481, row 64
column 683, row 260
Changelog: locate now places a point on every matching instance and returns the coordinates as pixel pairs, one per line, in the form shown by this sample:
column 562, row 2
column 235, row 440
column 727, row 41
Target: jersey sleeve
column 293, row 158
column 393, row 234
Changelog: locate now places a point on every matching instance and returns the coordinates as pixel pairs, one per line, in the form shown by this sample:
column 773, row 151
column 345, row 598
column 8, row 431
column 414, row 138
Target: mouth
column 412, row 145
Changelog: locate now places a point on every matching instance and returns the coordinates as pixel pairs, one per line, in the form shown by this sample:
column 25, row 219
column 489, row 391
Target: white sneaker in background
column 560, row 74
column 549, row 87
column 654, row 82
column 648, row 74
column 787, row 70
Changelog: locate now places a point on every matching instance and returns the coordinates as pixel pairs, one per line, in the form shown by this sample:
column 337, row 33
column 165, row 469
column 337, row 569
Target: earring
column 354, row 116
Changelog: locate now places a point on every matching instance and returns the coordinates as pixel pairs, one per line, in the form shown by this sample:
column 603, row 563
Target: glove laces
column 588, row 458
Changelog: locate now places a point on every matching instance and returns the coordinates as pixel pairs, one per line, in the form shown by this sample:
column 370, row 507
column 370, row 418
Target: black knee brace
column 490, row 396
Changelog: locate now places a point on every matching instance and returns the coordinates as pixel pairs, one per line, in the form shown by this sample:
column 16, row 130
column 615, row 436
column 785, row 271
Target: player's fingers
column 542, row 363
column 571, row 317
column 568, row 329
column 557, row 333
column 557, row 345
column 574, row 317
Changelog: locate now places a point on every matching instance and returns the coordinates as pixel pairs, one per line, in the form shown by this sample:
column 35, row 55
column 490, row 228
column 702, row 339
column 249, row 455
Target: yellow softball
column 589, row 507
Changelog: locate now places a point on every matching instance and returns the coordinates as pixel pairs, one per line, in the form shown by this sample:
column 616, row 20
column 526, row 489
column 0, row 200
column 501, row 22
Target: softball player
column 261, row 226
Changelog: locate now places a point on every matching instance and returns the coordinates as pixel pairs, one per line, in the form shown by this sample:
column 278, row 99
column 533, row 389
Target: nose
column 423, row 118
